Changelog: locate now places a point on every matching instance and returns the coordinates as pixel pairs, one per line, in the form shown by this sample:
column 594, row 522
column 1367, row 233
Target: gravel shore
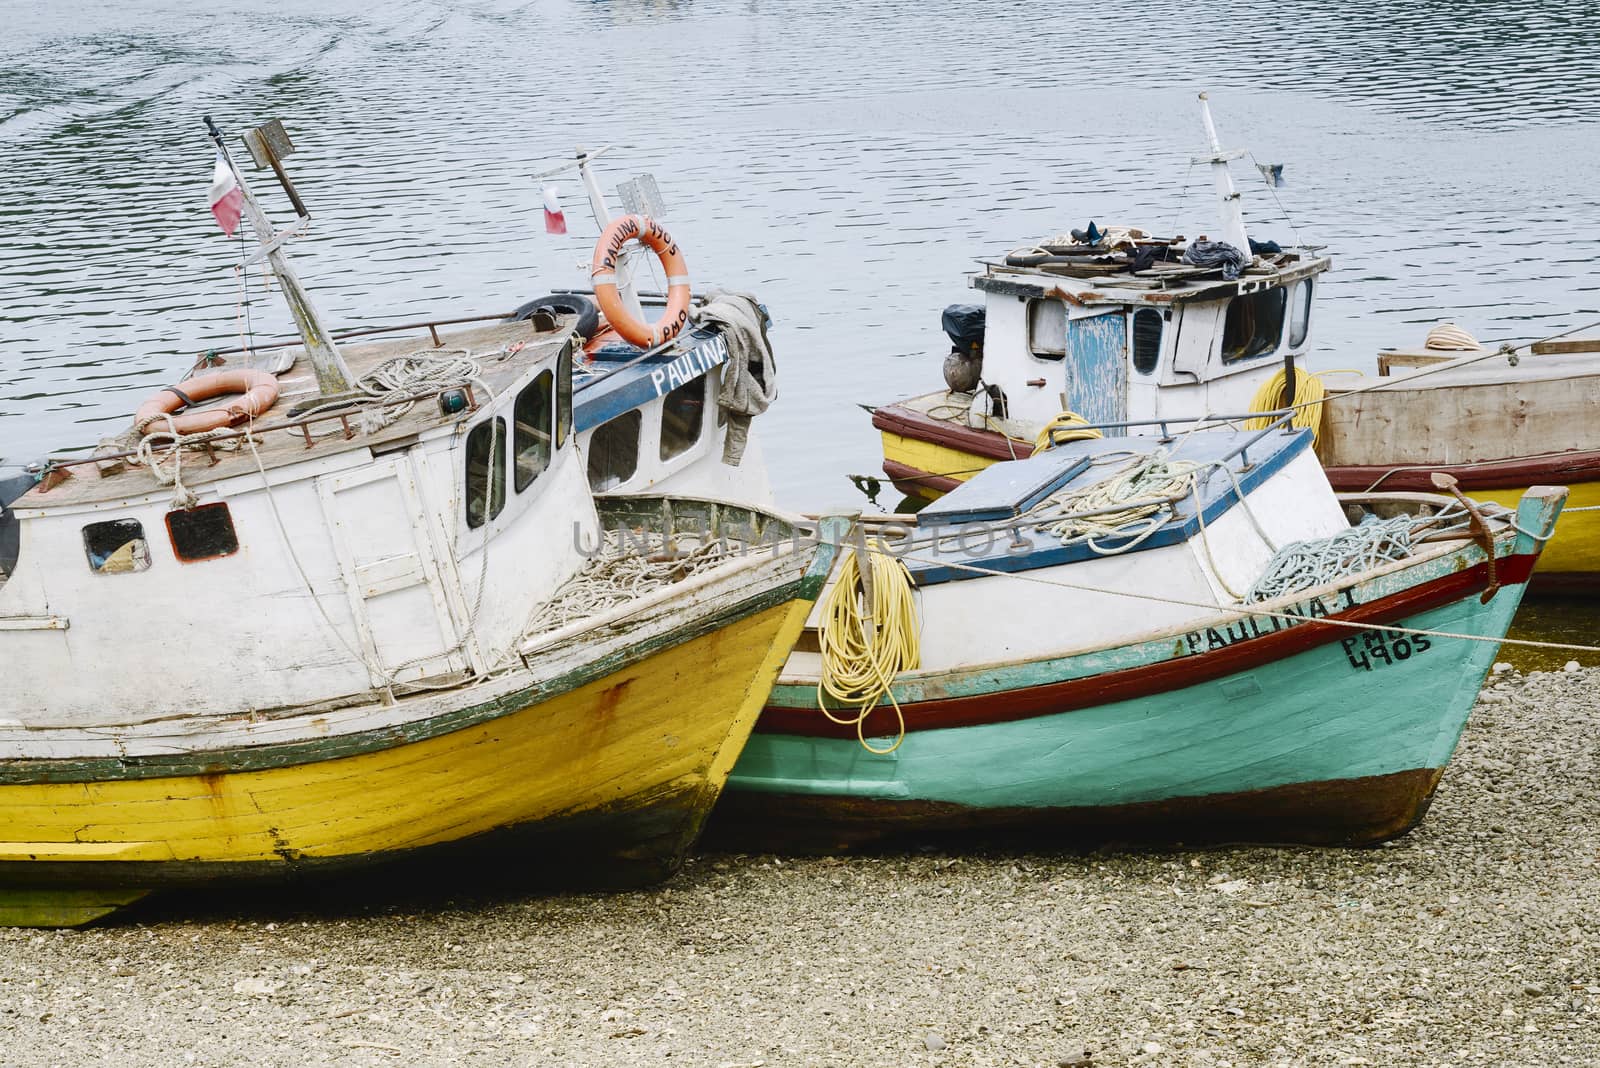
column 1471, row 941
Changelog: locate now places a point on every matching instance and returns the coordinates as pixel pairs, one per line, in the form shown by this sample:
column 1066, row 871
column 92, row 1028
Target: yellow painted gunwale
column 666, row 727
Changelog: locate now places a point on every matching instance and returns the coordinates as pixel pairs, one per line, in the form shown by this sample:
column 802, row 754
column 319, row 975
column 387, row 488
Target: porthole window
column 1146, row 340
column 563, row 397
column 117, row 547
column 486, row 471
column 1300, row 314
column 531, row 447
column 614, row 452
column 1254, row 325
column 202, row 533
column 683, row 415
column 1047, row 329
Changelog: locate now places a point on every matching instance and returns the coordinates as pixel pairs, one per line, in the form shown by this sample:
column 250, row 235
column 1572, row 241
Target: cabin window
column 202, row 533
column 117, row 547
column 1146, row 340
column 563, row 396
column 683, row 414
column 1254, row 324
column 1047, row 329
column 486, row 471
column 614, row 452
column 1299, row 313
column 531, row 446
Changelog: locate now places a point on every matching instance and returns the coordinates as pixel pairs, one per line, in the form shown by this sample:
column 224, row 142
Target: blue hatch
column 983, row 523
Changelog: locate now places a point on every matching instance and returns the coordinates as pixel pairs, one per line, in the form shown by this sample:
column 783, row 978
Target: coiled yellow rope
column 1068, row 426
column 1273, row 396
column 858, row 667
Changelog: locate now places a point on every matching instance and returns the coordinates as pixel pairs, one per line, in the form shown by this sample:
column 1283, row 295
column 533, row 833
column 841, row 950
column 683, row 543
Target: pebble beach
column 1472, row 940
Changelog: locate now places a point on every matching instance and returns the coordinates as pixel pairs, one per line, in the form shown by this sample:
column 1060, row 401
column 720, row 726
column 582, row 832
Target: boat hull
column 1298, row 734
column 569, row 781
column 926, row 457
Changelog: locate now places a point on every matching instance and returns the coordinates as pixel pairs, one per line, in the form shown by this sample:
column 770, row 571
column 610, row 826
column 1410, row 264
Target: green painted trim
column 258, row 758
column 61, row 907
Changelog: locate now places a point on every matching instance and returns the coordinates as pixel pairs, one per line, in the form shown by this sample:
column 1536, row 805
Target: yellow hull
column 654, row 740
column 1575, row 548
column 932, row 458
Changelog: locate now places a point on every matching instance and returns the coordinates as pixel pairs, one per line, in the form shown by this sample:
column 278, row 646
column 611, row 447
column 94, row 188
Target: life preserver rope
column 603, row 275
column 259, row 389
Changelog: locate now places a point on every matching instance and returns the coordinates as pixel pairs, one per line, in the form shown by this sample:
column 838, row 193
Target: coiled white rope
column 621, row 573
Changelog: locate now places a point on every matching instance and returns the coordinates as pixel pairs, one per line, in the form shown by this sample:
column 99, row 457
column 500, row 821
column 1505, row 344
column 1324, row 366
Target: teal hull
column 1332, row 743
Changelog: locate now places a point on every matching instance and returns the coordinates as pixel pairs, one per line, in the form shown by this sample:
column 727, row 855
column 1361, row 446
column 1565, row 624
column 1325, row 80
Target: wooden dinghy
column 370, row 612
column 1150, row 683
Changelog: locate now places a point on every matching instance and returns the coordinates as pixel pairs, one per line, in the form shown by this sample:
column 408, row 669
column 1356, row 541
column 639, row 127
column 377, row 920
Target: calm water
column 846, row 161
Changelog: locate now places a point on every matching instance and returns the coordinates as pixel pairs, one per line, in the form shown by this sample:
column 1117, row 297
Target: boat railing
column 430, row 325
column 1280, row 420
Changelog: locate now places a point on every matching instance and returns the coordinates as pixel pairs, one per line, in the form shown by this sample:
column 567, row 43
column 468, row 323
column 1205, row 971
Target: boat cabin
column 652, row 423
column 353, row 549
column 1094, row 334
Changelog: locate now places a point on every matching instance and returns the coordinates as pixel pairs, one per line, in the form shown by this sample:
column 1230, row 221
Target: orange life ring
column 603, row 273
column 260, row 391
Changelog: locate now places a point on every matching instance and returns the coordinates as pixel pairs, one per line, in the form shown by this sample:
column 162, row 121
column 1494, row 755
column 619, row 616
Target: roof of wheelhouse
column 1099, row 275
column 504, row 352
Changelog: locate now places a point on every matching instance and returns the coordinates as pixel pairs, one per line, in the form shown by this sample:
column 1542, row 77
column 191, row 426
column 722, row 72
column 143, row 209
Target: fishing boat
column 1189, row 638
column 349, row 603
column 1123, row 329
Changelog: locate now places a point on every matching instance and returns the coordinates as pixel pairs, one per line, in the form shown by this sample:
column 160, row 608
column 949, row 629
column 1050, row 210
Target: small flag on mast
column 555, row 221
column 227, row 199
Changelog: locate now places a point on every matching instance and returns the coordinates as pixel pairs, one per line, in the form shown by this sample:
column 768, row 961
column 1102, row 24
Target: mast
column 1233, row 231
column 602, row 219
column 333, row 377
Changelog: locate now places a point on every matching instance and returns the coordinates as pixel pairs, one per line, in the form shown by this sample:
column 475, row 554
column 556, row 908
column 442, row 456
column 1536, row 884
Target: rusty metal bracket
column 1480, row 530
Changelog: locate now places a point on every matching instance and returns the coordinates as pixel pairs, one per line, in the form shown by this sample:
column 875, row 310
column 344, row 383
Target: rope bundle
column 1065, row 427
column 1150, row 487
column 620, row 573
column 858, row 667
column 1273, row 396
column 1300, row 565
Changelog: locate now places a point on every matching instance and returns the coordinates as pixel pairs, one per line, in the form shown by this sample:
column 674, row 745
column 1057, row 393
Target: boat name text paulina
column 1213, row 638
column 691, row 365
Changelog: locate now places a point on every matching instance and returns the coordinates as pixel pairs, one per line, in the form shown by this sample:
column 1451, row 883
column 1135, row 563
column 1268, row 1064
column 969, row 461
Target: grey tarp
column 750, row 379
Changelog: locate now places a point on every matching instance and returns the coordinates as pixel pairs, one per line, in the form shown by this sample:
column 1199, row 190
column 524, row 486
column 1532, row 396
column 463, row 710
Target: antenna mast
column 1233, row 231
column 267, row 144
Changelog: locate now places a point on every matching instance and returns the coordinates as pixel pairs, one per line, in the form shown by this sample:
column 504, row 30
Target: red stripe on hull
column 1131, row 683
column 915, row 483
column 897, row 419
column 1559, row 469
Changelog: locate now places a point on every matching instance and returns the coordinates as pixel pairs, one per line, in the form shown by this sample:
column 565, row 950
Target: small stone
column 932, row 1042
column 1151, row 1048
column 1501, row 667
column 1571, row 666
column 1533, row 989
column 1078, row 1057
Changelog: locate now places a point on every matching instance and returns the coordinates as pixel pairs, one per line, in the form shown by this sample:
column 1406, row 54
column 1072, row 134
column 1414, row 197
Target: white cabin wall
column 145, row 645
column 1008, row 361
column 1018, row 618
column 533, row 544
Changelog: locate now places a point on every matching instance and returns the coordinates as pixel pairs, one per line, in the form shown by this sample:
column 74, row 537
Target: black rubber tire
column 587, row 311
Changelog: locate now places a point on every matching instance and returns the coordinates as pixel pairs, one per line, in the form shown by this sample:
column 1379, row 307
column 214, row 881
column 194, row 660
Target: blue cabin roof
column 606, row 386
column 972, row 525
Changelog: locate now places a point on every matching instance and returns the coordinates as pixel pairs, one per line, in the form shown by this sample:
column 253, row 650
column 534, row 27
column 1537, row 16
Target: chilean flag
column 226, row 198
column 555, row 221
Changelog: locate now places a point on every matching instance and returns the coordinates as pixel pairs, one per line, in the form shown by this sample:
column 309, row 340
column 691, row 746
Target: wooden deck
column 281, row 440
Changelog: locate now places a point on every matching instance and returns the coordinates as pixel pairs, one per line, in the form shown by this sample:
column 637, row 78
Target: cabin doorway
column 390, row 561
column 1097, row 367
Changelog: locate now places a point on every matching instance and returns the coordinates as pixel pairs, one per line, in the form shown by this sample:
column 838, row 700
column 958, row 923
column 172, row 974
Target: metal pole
column 333, row 376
